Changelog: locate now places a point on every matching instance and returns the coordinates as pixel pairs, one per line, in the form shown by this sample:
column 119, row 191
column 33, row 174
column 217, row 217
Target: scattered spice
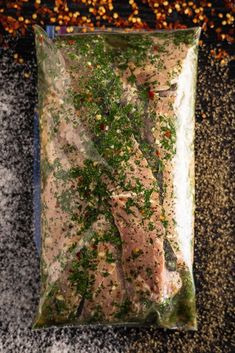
column 168, row 134
column 158, row 154
column 151, row 94
column 216, row 19
column 71, row 41
column 102, row 127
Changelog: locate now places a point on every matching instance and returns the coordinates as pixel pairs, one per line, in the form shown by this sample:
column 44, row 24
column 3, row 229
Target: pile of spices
column 215, row 17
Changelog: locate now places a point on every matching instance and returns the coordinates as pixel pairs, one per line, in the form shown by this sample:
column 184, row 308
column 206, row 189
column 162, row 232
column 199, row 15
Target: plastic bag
column 116, row 113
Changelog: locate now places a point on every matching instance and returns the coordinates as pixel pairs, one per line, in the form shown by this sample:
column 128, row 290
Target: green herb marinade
column 108, row 143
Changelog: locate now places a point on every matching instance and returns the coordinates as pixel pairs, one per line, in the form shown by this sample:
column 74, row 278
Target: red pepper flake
column 71, row 41
column 168, row 134
column 157, row 153
column 78, row 255
column 151, row 94
column 102, row 127
column 94, row 247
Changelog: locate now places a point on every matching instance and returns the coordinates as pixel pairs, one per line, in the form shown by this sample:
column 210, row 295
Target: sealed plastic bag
column 116, row 114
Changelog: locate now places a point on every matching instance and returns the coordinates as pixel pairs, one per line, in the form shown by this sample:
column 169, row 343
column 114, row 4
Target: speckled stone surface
column 19, row 262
